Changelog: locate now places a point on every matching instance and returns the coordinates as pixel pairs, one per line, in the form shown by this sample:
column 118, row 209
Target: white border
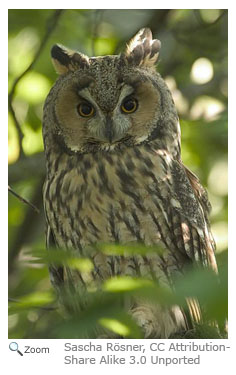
column 36, row 364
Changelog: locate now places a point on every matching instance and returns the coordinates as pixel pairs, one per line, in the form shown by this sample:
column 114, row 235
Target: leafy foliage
column 103, row 306
column 186, row 36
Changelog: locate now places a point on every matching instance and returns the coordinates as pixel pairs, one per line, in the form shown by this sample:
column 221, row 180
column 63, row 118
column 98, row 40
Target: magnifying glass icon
column 13, row 346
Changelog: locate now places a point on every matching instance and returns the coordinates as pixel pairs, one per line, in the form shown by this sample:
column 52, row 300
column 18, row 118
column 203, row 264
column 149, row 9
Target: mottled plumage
column 115, row 175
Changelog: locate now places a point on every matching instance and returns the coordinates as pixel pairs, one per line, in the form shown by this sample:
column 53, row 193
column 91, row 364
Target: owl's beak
column 109, row 133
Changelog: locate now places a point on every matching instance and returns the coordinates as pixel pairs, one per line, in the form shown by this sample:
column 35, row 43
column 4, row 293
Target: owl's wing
column 189, row 211
column 204, row 203
column 56, row 272
column 190, row 203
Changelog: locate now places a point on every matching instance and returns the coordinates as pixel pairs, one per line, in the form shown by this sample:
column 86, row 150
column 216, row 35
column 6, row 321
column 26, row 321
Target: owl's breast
column 107, row 198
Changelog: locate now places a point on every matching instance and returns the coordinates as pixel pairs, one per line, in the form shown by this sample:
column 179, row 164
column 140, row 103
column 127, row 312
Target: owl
column 114, row 175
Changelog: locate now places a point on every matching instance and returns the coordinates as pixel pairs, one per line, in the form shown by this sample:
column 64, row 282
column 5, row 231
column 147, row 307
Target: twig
column 17, row 125
column 27, row 227
column 23, row 199
column 182, row 34
column 52, row 22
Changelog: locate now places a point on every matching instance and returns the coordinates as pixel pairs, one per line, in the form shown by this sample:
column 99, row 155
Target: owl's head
column 106, row 102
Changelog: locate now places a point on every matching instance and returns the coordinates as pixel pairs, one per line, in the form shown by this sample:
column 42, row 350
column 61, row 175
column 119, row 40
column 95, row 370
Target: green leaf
column 132, row 248
column 125, row 284
column 122, row 324
column 33, row 300
column 62, row 257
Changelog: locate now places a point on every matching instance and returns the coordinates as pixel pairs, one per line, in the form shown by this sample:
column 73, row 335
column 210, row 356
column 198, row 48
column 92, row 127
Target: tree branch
column 23, row 199
column 52, row 22
column 26, row 228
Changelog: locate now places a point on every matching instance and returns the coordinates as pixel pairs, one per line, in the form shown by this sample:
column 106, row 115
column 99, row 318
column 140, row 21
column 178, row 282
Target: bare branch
column 52, row 22
column 23, row 199
column 27, row 227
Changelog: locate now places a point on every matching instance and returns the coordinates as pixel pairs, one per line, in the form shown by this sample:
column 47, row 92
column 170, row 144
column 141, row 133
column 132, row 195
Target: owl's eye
column 85, row 109
column 129, row 105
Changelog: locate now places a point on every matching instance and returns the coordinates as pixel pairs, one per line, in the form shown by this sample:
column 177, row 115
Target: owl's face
column 103, row 102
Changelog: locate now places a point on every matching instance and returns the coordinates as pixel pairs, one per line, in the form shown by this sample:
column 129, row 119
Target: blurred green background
column 193, row 61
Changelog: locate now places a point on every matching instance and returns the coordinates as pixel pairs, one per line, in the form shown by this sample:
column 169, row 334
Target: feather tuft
column 142, row 50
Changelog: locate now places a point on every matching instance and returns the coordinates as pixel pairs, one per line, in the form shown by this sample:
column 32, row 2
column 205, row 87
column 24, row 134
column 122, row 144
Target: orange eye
column 85, row 109
column 129, row 105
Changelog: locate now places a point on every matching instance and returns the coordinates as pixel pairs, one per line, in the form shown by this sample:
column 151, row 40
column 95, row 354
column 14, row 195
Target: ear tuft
column 60, row 53
column 142, row 50
column 60, row 58
column 65, row 60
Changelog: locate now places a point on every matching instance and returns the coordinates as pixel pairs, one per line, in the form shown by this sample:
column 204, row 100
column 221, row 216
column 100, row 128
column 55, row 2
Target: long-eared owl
column 114, row 175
